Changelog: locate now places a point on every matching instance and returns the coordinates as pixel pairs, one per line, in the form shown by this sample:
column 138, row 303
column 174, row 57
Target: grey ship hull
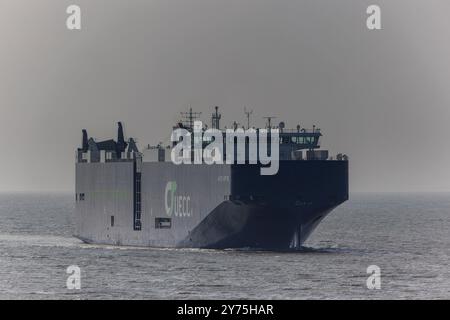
column 212, row 206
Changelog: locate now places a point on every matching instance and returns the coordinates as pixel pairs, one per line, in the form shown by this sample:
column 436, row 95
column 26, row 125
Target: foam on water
column 39, row 240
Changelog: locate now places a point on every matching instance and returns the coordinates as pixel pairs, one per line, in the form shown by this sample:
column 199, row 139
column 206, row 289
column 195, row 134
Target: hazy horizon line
column 351, row 192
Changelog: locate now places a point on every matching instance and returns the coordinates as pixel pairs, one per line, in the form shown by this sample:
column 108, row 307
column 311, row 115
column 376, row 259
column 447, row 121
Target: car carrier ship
column 127, row 196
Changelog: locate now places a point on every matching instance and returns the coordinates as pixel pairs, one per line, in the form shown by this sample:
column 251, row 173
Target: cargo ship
column 140, row 197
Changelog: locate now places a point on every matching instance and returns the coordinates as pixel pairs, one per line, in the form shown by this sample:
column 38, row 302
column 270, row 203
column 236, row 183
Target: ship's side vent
column 163, row 223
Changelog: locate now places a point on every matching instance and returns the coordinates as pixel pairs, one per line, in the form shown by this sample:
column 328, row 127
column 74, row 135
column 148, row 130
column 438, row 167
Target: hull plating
column 219, row 206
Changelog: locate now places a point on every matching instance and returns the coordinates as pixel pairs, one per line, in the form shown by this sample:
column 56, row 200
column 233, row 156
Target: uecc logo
column 177, row 205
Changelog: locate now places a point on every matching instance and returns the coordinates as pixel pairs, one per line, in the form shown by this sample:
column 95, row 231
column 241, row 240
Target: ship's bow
column 274, row 212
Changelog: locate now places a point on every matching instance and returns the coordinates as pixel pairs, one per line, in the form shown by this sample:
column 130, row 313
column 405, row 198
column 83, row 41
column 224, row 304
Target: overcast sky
column 382, row 97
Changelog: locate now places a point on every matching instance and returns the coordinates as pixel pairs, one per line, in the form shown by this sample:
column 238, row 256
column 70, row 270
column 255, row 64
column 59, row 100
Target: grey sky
column 382, row 97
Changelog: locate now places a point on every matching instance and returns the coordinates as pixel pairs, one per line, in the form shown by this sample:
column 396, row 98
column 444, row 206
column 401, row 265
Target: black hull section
column 273, row 212
column 239, row 225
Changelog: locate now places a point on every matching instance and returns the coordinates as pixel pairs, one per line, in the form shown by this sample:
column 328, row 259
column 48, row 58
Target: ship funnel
column 120, row 138
column 84, row 142
column 121, row 144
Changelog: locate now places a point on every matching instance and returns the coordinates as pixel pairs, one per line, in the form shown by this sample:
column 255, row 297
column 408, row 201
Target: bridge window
column 299, row 140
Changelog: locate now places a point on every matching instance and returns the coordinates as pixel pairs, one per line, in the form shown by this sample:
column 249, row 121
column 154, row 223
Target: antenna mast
column 189, row 117
column 269, row 121
column 248, row 114
column 215, row 119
